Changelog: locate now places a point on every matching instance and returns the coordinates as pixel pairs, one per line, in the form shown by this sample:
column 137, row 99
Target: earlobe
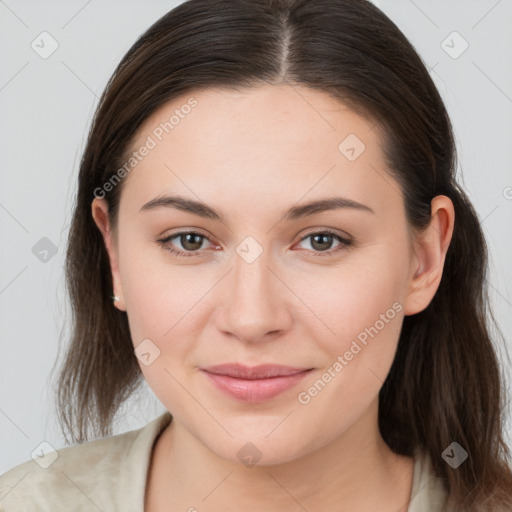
column 99, row 210
column 430, row 248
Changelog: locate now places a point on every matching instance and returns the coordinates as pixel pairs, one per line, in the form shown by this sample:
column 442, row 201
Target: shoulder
column 100, row 474
column 42, row 480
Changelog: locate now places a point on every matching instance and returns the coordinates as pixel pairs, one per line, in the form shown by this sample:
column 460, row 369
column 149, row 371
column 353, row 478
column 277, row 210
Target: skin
column 251, row 155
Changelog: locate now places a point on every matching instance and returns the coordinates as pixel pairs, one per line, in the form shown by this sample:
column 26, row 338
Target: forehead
column 278, row 141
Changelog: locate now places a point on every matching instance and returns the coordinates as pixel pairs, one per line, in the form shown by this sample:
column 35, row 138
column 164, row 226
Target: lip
column 254, row 384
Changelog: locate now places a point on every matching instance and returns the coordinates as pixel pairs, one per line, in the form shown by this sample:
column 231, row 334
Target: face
column 266, row 281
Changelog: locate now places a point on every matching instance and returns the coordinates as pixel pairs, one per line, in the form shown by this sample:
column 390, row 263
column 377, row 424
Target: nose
column 258, row 303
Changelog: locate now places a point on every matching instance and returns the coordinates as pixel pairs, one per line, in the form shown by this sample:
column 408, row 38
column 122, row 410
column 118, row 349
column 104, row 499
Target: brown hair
column 445, row 383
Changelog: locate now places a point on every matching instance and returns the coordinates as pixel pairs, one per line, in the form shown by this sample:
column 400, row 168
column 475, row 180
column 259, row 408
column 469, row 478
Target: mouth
column 254, row 384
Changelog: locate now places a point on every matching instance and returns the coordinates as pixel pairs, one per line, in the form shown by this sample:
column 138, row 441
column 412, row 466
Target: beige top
column 110, row 475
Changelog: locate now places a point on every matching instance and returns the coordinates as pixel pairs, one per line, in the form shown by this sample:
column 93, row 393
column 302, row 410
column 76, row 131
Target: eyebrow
column 294, row 213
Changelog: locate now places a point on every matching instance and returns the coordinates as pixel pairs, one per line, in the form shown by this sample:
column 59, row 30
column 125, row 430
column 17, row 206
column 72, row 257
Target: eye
column 322, row 241
column 190, row 241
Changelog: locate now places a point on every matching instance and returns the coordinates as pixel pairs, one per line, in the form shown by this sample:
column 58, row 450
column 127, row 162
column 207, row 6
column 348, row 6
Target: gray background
column 46, row 105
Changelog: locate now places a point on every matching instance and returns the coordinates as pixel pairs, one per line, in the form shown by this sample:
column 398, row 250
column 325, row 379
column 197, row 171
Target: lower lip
column 256, row 390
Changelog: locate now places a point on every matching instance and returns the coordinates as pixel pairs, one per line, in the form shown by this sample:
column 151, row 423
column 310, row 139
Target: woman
column 268, row 230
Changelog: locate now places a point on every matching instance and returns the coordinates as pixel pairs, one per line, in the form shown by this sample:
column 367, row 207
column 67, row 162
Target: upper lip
column 262, row 371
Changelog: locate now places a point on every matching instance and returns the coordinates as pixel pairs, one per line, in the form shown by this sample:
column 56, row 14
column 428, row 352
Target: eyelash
column 344, row 243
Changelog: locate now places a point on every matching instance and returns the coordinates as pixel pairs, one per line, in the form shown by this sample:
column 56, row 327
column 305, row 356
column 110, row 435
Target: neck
column 355, row 472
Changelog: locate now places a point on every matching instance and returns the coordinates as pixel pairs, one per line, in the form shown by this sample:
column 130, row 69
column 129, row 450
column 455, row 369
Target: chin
column 258, row 447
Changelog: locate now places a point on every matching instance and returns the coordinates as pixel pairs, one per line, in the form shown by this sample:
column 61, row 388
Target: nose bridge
column 255, row 306
column 251, row 276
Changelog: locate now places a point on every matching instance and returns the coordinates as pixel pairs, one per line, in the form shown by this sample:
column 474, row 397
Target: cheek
column 165, row 305
column 159, row 294
column 160, row 303
column 356, row 297
column 361, row 313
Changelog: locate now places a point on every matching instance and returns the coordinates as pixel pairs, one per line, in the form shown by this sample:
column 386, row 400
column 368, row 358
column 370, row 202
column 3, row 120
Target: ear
column 429, row 252
column 101, row 217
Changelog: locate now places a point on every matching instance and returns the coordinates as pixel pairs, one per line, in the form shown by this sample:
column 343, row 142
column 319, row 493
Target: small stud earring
column 115, row 298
